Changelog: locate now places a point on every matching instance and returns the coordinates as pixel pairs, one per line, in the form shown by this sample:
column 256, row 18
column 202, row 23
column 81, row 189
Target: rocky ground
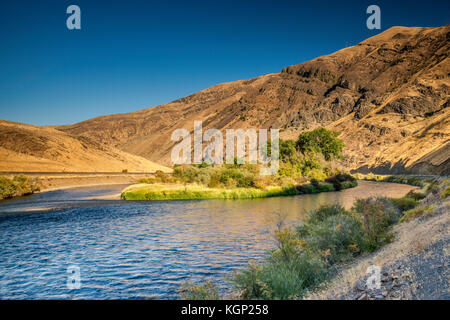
column 413, row 266
column 424, row 276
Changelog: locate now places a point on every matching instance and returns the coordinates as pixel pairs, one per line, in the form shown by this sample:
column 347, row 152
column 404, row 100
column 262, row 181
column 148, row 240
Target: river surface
column 140, row 250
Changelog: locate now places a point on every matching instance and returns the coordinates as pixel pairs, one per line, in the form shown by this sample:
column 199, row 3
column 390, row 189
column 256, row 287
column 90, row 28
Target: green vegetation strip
column 18, row 186
column 198, row 192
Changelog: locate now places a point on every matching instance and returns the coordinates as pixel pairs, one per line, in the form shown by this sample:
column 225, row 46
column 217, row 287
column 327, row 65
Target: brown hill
column 30, row 148
column 388, row 95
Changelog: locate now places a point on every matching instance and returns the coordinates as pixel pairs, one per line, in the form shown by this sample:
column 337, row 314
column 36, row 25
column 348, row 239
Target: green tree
column 321, row 141
column 288, row 152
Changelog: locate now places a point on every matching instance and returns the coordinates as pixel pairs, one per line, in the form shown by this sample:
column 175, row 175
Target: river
column 140, row 250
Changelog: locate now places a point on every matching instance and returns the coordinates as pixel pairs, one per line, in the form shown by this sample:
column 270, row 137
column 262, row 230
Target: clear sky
column 135, row 54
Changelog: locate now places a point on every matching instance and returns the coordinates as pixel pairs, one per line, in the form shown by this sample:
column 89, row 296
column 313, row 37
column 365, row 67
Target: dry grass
column 411, row 238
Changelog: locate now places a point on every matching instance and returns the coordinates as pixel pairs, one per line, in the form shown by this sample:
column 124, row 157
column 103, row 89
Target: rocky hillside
column 31, row 148
column 388, row 96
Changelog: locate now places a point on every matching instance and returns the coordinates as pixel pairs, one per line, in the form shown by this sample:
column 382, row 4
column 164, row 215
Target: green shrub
column 337, row 184
column 314, row 173
column 334, row 232
column 321, row 141
column 414, row 181
column 306, row 189
column 324, row 212
column 192, row 291
column 286, row 274
column 377, row 214
column 416, row 212
column 433, row 188
column 416, row 195
column 249, row 284
column 348, row 184
column 405, row 203
column 315, row 183
column 290, row 279
column 17, row 186
column 325, row 187
column 305, row 258
column 373, row 177
column 358, row 176
column 162, row 176
column 446, row 193
column 7, row 188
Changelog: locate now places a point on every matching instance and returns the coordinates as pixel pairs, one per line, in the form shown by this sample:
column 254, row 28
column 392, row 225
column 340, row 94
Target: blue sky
column 135, row 54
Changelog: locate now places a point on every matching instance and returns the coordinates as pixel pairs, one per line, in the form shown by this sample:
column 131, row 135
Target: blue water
column 140, row 250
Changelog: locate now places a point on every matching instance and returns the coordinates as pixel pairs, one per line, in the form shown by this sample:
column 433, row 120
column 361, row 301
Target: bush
column 290, row 279
column 249, row 284
column 373, row 177
column 315, row 183
column 345, row 177
column 306, row 189
column 335, row 182
column 405, row 203
column 433, row 188
column 377, row 214
column 416, row 212
column 416, row 195
column 349, row 184
column 358, row 176
column 324, row 212
column 148, row 180
column 337, row 238
column 325, row 187
column 314, row 173
column 414, row 181
column 161, row 176
column 7, row 188
column 342, row 181
column 446, row 193
column 17, row 186
column 322, row 141
column 286, row 274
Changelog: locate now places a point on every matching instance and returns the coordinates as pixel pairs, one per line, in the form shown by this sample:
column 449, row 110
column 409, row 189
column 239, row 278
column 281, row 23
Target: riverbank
column 52, row 181
column 413, row 266
column 327, row 255
column 18, row 185
column 171, row 241
column 198, row 192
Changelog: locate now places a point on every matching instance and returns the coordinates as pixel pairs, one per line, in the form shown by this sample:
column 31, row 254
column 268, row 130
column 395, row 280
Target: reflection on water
column 132, row 250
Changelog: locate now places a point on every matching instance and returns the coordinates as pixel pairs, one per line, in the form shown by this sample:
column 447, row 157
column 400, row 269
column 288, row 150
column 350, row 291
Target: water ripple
column 137, row 250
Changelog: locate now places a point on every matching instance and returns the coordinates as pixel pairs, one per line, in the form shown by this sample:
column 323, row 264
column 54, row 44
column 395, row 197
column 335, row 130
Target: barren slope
column 32, row 148
column 388, row 95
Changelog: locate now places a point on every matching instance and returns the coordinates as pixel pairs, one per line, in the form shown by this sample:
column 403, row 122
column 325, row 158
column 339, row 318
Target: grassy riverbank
column 19, row 185
column 305, row 166
column 413, row 180
column 198, row 192
column 307, row 257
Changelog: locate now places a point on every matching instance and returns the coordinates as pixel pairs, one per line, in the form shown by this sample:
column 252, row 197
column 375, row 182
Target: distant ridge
column 27, row 148
column 388, row 96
